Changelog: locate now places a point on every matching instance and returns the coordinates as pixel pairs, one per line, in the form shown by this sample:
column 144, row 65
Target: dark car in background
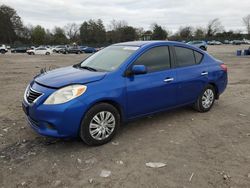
column 20, row 50
column 71, row 50
column 89, row 50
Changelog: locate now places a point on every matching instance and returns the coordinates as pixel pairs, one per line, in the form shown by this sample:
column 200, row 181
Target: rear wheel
column 100, row 124
column 2, row 51
column 206, row 100
column 47, row 53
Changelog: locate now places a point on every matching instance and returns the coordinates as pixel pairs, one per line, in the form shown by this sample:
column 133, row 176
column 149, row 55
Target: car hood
column 68, row 75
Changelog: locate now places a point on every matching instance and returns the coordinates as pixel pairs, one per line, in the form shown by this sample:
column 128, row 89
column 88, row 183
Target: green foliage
column 93, row 32
column 38, row 35
column 159, row 33
column 59, row 36
column 10, row 24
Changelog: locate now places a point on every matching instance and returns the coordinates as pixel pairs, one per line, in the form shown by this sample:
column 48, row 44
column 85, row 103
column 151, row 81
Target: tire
column 47, row 53
column 32, row 53
column 2, row 52
column 95, row 137
column 203, row 48
column 206, row 100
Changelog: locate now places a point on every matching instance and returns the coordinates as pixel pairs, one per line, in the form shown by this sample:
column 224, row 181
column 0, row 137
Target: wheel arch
column 216, row 89
column 111, row 102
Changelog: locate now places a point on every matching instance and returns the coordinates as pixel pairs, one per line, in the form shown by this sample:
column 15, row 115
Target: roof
column 142, row 43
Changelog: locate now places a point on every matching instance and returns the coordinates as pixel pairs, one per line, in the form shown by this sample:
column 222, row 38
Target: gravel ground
column 198, row 150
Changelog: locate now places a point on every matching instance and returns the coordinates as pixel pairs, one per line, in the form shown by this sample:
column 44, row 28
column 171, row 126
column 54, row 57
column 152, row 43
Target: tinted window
column 198, row 57
column 184, row 56
column 155, row 59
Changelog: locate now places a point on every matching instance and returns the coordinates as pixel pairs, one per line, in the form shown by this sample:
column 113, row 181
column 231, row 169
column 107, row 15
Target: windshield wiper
column 88, row 68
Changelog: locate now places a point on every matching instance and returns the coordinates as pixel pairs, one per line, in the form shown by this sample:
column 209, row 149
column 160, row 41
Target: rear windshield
column 110, row 58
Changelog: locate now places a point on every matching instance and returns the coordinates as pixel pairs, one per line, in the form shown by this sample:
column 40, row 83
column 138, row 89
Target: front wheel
column 100, row 124
column 206, row 100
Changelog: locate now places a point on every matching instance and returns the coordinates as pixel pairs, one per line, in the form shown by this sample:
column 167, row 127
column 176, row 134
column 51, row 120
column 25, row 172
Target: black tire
column 2, row 51
column 85, row 125
column 32, row 53
column 203, row 48
column 47, row 53
column 199, row 106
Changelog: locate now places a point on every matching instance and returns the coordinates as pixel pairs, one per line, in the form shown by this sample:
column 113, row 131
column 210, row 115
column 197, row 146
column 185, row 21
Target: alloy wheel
column 208, row 98
column 102, row 125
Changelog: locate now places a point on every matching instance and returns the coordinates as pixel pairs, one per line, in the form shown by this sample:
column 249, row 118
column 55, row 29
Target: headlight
column 66, row 94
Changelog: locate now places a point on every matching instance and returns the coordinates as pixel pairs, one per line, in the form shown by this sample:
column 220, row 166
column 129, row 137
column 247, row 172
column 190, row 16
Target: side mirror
column 139, row 69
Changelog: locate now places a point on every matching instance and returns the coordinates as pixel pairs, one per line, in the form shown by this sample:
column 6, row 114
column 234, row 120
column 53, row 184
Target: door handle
column 169, row 80
column 204, row 73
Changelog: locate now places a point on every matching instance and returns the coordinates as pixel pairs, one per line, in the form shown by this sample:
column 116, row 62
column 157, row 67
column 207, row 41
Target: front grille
column 32, row 95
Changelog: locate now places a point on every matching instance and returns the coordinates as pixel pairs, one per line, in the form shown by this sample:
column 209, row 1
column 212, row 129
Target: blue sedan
column 120, row 83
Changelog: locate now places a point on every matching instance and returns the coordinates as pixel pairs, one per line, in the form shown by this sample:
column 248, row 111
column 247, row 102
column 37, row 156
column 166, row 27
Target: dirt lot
column 199, row 150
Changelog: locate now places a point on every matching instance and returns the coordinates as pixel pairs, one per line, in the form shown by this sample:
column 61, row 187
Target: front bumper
column 61, row 121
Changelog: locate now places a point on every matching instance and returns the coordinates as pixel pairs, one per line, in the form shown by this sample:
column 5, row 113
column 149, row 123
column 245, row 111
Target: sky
column 171, row 14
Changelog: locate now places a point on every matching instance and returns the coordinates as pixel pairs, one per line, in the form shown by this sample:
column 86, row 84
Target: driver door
column 155, row 90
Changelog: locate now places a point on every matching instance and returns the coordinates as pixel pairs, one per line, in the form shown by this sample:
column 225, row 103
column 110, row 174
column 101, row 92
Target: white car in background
column 3, row 49
column 39, row 51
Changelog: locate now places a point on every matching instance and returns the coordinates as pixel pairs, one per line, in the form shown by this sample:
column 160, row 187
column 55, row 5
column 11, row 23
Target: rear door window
column 184, row 56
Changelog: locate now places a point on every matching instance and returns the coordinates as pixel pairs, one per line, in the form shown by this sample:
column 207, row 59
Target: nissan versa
column 119, row 83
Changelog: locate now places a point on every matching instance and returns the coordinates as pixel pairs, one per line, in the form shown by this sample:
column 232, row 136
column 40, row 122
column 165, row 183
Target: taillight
column 224, row 67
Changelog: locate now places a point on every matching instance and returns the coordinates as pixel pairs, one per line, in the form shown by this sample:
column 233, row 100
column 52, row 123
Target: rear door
column 155, row 90
column 192, row 74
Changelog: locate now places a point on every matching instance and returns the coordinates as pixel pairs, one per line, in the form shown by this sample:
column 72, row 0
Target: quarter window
column 198, row 57
column 155, row 59
column 184, row 56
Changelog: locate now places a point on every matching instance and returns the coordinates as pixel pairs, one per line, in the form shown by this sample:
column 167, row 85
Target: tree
column 10, row 24
column 116, row 24
column 93, row 32
column 38, row 35
column 186, row 33
column 199, row 33
column 72, row 31
column 246, row 22
column 59, row 36
column 159, row 33
column 214, row 27
column 127, row 33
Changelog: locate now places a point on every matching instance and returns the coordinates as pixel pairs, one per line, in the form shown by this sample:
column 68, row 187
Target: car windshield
column 109, row 58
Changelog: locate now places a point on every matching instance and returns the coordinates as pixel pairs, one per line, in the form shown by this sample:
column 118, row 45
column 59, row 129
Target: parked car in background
column 245, row 41
column 199, row 44
column 58, row 48
column 19, row 50
column 237, row 42
column 71, row 50
column 82, row 48
column 120, row 83
column 89, row 50
column 214, row 42
column 39, row 51
column 3, row 49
